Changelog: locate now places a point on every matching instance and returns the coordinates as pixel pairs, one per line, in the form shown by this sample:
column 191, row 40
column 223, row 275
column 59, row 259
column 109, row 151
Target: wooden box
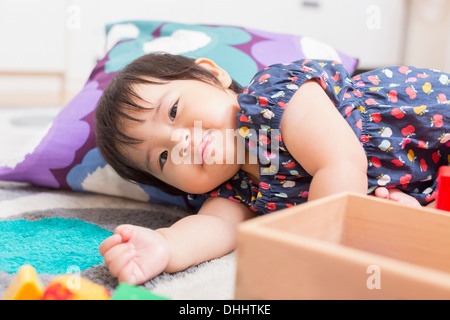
column 345, row 247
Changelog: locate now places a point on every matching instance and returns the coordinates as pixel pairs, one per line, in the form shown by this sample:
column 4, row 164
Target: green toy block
column 128, row 292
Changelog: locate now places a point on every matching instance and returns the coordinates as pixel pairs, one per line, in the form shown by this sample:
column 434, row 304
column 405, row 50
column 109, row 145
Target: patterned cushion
column 66, row 156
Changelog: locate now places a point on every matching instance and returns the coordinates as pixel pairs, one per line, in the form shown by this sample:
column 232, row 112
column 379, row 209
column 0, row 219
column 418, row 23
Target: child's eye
column 163, row 159
column 173, row 112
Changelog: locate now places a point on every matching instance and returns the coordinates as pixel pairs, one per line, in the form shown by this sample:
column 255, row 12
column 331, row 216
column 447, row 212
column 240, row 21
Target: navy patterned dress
column 400, row 114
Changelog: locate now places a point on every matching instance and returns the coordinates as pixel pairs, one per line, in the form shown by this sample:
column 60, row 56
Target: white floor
column 21, row 125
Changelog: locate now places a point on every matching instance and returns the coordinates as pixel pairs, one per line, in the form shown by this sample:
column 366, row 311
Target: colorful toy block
column 25, row 286
column 74, row 287
column 443, row 197
column 127, row 292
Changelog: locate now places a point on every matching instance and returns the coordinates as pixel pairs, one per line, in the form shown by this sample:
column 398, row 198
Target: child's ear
column 221, row 74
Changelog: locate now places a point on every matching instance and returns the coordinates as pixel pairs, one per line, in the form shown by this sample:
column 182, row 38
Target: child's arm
column 135, row 254
column 319, row 138
column 211, row 233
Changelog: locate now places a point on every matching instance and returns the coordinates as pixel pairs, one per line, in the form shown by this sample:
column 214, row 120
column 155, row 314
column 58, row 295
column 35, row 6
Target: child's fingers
column 401, row 197
column 121, row 234
column 382, row 192
column 127, row 274
column 125, row 231
column 124, row 255
column 108, row 243
column 116, row 253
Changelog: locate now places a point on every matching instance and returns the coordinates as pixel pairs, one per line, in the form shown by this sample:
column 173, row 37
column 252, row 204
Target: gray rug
column 210, row 280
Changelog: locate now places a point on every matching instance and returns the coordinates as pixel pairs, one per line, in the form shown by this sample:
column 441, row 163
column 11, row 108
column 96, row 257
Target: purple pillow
column 66, row 156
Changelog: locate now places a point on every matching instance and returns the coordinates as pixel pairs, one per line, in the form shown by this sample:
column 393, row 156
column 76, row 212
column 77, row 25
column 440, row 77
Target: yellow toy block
column 74, row 287
column 25, row 286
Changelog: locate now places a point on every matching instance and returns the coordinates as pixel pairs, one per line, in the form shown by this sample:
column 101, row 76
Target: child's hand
column 396, row 195
column 135, row 254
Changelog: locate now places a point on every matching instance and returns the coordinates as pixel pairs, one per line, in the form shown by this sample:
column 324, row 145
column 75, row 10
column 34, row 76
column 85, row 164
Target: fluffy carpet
column 59, row 231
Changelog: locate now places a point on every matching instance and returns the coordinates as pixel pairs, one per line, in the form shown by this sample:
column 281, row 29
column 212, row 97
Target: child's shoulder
column 293, row 74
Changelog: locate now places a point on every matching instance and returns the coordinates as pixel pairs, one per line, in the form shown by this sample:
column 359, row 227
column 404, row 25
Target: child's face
column 184, row 134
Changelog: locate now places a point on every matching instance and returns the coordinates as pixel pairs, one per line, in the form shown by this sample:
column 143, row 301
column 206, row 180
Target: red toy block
column 73, row 287
column 443, row 189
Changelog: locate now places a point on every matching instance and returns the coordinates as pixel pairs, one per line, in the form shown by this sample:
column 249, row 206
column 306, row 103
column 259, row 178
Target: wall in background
column 428, row 34
column 54, row 44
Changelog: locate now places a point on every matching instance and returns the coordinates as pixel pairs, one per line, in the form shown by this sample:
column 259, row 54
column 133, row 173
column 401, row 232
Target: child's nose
column 182, row 142
column 186, row 140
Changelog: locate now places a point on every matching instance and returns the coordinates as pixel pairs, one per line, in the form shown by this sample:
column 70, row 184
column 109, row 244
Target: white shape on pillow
column 119, row 32
column 181, row 41
column 28, row 148
column 105, row 180
column 314, row 49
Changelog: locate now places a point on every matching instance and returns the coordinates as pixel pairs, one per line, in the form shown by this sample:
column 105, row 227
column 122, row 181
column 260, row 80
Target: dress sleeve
column 272, row 88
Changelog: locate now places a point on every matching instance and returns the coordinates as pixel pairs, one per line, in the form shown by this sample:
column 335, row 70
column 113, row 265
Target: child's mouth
column 204, row 147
